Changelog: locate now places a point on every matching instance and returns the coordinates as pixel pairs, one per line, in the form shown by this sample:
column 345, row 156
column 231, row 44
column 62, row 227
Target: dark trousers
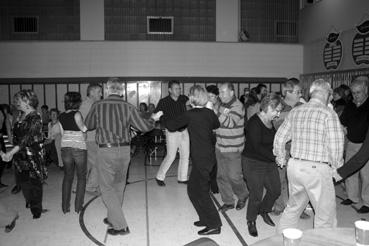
column 74, row 158
column 198, row 191
column 32, row 191
column 51, row 154
column 260, row 175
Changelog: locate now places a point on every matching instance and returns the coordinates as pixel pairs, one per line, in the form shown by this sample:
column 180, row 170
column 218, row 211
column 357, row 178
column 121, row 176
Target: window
column 25, row 24
column 160, row 24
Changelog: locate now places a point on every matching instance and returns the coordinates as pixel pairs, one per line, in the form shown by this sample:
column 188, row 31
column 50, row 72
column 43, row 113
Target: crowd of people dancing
column 280, row 152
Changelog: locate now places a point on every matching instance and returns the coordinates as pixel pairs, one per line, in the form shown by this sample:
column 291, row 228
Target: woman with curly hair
column 28, row 151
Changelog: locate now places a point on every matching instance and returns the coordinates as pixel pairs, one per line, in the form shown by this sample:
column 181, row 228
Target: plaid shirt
column 315, row 132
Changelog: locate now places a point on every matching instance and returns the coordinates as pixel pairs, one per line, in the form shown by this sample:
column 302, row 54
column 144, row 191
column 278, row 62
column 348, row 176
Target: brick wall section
column 194, row 20
column 58, row 19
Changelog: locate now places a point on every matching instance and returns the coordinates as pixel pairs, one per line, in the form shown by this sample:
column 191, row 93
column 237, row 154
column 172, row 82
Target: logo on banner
column 332, row 54
column 360, row 44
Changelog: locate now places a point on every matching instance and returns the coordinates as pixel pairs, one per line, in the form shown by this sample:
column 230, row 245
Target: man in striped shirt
column 230, row 143
column 317, row 142
column 112, row 118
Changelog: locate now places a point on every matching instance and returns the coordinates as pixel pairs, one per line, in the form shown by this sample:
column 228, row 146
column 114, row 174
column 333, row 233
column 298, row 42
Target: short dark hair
column 92, row 86
column 55, row 110
column 340, row 91
column 27, row 96
column 172, row 82
column 72, row 100
column 144, row 104
column 45, row 107
column 259, row 86
column 212, row 89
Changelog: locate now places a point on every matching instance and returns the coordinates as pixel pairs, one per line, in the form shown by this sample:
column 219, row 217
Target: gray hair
column 114, row 86
column 362, row 81
column 320, row 86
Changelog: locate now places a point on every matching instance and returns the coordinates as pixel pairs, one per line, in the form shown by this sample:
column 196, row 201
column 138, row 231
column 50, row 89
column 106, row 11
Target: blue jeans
column 74, row 158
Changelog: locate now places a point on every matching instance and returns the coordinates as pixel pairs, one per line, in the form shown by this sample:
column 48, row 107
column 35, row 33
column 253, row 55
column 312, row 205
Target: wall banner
column 360, row 44
column 332, row 54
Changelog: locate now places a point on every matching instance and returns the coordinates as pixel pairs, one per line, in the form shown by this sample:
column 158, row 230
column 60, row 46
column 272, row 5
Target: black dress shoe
column 36, row 216
column 160, row 182
column 347, row 202
column 267, row 219
column 226, row 207
column 183, row 182
column 16, row 189
column 363, row 210
column 114, row 232
column 11, row 226
column 241, row 204
column 107, row 222
column 198, row 223
column 251, row 225
column 209, row 231
column 3, row 185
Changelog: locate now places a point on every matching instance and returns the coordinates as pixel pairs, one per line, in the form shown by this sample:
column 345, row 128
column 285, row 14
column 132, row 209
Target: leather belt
column 110, row 145
column 321, row 162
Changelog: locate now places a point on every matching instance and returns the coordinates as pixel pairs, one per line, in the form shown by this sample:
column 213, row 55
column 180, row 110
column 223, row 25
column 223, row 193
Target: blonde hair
column 198, row 96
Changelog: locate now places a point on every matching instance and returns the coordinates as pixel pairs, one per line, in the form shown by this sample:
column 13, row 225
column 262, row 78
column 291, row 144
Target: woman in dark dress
column 258, row 162
column 200, row 122
column 28, row 152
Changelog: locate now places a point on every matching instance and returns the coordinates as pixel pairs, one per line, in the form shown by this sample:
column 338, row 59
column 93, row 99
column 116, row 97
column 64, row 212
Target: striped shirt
column 315, row 132
column 112, row 118
column 171, row 108
column 230, row 134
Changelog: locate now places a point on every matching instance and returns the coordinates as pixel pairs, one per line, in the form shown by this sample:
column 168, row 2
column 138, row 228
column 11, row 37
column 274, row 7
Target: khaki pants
column 92, row 177
column 112, row 172
column 309, row 181
column 357, row 185
column 176, row 141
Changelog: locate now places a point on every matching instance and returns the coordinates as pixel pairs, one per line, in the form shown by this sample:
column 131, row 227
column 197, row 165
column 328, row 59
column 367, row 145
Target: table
column 317, row 237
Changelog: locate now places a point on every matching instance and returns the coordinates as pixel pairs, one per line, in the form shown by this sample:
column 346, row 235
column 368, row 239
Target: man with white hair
column 112, row 118
column 355, row 117
column 316, row 149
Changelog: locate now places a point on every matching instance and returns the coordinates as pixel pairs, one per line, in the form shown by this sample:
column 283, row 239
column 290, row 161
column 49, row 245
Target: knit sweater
column 230, row 134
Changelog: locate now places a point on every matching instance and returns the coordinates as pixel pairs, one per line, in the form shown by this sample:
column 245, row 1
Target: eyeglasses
column 299, row 92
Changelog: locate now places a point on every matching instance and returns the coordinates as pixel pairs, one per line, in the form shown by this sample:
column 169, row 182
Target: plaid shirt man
column 316, row 135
